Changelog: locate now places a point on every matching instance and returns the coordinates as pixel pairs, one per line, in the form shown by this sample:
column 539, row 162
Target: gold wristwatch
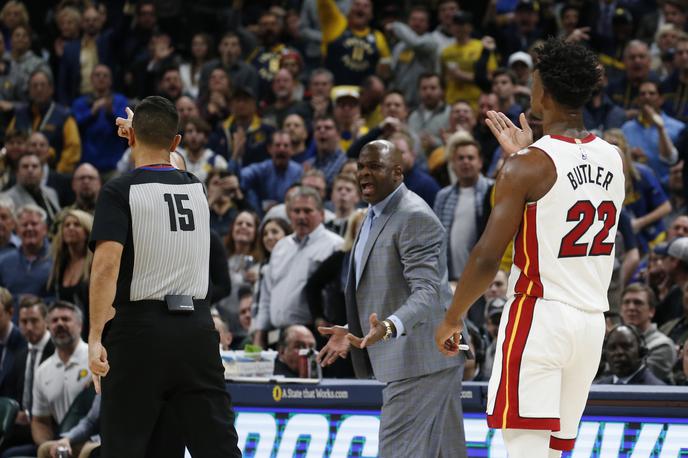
column 388, row 329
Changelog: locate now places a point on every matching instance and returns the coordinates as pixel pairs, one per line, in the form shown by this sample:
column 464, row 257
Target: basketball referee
column 149, row 308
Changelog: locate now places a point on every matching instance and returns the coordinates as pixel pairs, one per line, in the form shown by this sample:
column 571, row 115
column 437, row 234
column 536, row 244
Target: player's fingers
column 524, row 122
column 505, row 120
column 373, row 320
column 96, row 383
column 130, row 113
column 493, row 121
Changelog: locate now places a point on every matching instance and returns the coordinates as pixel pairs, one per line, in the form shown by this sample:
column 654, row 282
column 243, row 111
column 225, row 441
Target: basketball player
column 151, row 242
column 559, row 200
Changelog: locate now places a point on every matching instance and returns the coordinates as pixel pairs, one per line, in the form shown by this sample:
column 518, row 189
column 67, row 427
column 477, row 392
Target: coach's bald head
column 380, row 170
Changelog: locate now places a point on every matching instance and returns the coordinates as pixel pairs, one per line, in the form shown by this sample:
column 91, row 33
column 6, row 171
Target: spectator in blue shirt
column 415, row 179
column 646, row 201
column 267, row 182
column 95, row 115
column 26, row 269
column 653, row 131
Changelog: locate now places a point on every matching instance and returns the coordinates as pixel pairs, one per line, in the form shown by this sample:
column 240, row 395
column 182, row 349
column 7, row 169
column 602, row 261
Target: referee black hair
column 569, row 72
column 155, row 121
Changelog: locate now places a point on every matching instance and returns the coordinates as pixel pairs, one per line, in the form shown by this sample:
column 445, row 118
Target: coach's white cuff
column 398, row 325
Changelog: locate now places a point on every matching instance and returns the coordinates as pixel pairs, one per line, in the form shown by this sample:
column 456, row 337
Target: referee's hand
column 97, row 362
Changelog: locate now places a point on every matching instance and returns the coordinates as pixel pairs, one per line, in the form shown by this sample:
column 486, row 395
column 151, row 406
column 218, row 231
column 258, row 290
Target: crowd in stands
column 276, row 100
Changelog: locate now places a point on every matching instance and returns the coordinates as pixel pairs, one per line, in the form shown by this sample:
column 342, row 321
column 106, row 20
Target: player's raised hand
column 124, row 125
column 510, row 137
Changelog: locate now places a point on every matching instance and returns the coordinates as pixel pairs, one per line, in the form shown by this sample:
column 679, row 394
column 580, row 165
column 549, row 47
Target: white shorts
column 547, row 356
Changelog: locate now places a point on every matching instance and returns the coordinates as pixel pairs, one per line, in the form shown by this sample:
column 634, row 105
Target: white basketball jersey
column 564, row 249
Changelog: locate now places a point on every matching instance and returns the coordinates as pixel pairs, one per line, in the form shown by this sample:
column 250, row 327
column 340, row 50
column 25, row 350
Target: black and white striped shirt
column 160, row 215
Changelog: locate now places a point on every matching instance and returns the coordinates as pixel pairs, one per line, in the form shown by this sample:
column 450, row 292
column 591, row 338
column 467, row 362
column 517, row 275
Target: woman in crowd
column 243, row 251
column 272, row 230
column 645, row 201
column 68, row 20
column 69, row 275
column 24, row 61
column 201, row 52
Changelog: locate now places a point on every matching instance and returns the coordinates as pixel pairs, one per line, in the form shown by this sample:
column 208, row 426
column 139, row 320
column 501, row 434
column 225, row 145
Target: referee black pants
column 164, row 364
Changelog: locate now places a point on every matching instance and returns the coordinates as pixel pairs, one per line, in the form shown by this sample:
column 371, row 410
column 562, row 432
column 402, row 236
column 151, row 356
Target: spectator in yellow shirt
column 458, row 62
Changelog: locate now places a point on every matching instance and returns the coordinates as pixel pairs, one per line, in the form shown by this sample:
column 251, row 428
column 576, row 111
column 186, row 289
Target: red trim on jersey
column 590, row 137
column 561, row 444
column 526, row 255
column 517, row 329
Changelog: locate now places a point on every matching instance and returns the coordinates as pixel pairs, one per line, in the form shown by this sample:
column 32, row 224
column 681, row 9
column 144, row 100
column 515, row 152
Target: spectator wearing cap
column 244, row 134
column 285, row 100
column 523, row 31
column 351, row 49
column 624, row 350
column 638, row 303
column 26, row 270
column 442, row 35
column 329, row 157
column 432, row 115
column 414, row 55
column 521, row 63
column 8, row 239
column 458, row 62
column 54, row 120
column 653, row 131
column 675, row 87
column 266, row 183
column 95, row 114
column 624, row 90
column 240, row 73
column 200, row 160
column 347, row 115
column 675, row 267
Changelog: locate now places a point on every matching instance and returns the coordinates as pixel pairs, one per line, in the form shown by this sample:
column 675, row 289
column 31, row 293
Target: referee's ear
column 175, row 142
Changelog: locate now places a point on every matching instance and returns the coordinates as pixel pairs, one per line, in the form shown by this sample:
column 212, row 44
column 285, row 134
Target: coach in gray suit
column 398, row 271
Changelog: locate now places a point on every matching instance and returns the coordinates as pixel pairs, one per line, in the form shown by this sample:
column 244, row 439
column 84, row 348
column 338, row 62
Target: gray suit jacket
column 404, row 274
column 21, row 196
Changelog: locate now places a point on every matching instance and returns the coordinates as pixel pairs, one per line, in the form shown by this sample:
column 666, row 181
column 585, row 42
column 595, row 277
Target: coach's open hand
column 376, row 333
column 337, row 346
column 97, row 362
column 448, row 336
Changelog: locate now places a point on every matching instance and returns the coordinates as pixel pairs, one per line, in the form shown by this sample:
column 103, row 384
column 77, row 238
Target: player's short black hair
column 569, row 72
column 155, row 121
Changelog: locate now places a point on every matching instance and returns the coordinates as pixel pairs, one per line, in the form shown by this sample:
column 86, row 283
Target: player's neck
column 568, row 123
column 145, row 156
